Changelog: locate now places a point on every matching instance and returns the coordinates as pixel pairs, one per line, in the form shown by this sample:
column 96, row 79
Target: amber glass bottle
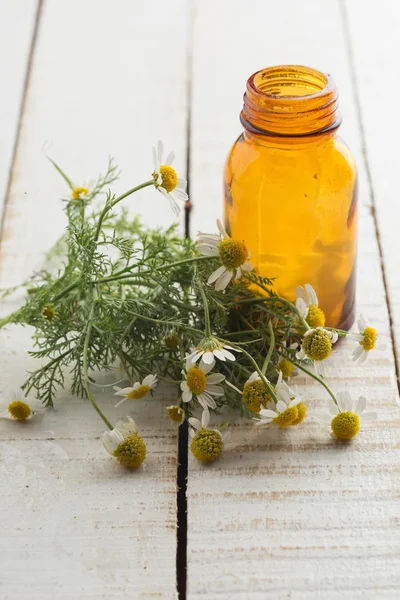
column 290, row 188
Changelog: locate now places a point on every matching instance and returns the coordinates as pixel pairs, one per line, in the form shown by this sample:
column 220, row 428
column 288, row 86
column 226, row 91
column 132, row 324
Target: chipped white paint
column 293, row 514
column 107, row 78
column 17, row 21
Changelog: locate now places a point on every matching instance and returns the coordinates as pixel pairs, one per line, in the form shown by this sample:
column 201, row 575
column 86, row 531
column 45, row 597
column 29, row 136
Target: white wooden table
column 292, row 517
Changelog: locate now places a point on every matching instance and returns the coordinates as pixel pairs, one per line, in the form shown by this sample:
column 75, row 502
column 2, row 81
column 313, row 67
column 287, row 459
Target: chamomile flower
column 233, row 255
column 202, row 386
column 138, row 391
column 207, row 444
column 210, row 348
column 78, row 192
column 176, row 413
column 254, row 393
column 317, row 346
column 366, row 338
column 307, row 305
column 166, row 179
column 22, row 408
column 286, row 411
column 125, row 444
column 346, row 417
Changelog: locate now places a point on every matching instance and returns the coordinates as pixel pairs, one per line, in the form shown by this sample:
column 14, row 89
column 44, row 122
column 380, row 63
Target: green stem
column 270, row 349
column 184, row 261
column 85, row 367
column 311, row 374
column 205, row 306
column 108, row 207
column 173, row 323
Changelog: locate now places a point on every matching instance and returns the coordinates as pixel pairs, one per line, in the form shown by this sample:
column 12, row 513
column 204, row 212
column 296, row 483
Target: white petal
column 184, row 386
column 333, row 409
column 233, row 387
column 269, row 414
column 253, row 377
column 195, row 423
column 362, row 323
column 312, row 296
column 322, row 416
column 361, row 405
column 207, row 250
column 344, row 401
column 205, row 418
column 174, row 206
column 214, row 276
column 179, row 195
column 247, row 266
column 368, row 416
column 181, row 184
column 301, row 293
column 357, row 337
column 195, row 356
column 334, row 337
column 215, row 378
column 363, row 357
column 149, row 380
column 187, row 396
column 208, row 357
column 358, row 352
column 160, row 150
column 121, row 402
column 238, row 273
column 222, row 229
column 192, row 433
column 281, row 406
column 170, row 159
column 214, row 390
column 223, row 281
column 124, row 391
column 219, row 354
column 155, row 161
column 206, row 401
column 206, row 367
column 302, row 307
column 295, row 401
column 228, row 354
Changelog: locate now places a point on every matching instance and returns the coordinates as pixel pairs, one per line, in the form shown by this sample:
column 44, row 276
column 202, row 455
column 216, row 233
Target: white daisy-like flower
column 233, row 255
column 366, row 338
column 21, row 407
column 307, row 306
column 138, row 391
column 346, row 417
column 209, row 444
column 317, row 346
column 166, row 179
column 202, row 386
column 285, row 411
column 209, row 349
column 123, row 429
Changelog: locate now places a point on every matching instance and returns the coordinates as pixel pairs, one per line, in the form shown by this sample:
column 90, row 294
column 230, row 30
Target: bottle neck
column 290, row 101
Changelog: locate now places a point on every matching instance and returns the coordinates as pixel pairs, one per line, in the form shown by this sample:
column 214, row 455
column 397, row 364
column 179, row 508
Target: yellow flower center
column 315, row 316
column 206, row 445
column 317, row 345
column 370, row 336
column 255, row 394
column 345, row 425
column 19, row 410
column 232, row 253
column 175, row 413
column 139, row 393
column 131, row 452
column 196, row 380
column 49, row 312
column 302, row 412
column 286, row 367
column 78, row 192
column 288, row 417
column 169, row 178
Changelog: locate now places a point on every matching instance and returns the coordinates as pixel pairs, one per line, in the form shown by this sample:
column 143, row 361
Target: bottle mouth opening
column 291, row 82
column 290, row 100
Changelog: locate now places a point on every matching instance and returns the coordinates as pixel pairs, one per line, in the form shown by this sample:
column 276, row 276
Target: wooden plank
column 376, row 66
column 292, row 515
column 17, row 22
column 105, row 80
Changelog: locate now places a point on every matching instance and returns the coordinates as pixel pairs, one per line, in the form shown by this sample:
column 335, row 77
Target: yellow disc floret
column 19, row 410
column 196, row 380
column 232, row 253
column 317, row 344
column 370, row 336
column 49, row 312
column 345, row 425
column 78, row 192
column 139, row 393
column 206, row 445
column 302, row 412
column 315, row 316
column 286, row 368
column 169, row 178
column 287, row 417
column 132, row 451
column 175, row 413
column 172, row 342
column 255, row 394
